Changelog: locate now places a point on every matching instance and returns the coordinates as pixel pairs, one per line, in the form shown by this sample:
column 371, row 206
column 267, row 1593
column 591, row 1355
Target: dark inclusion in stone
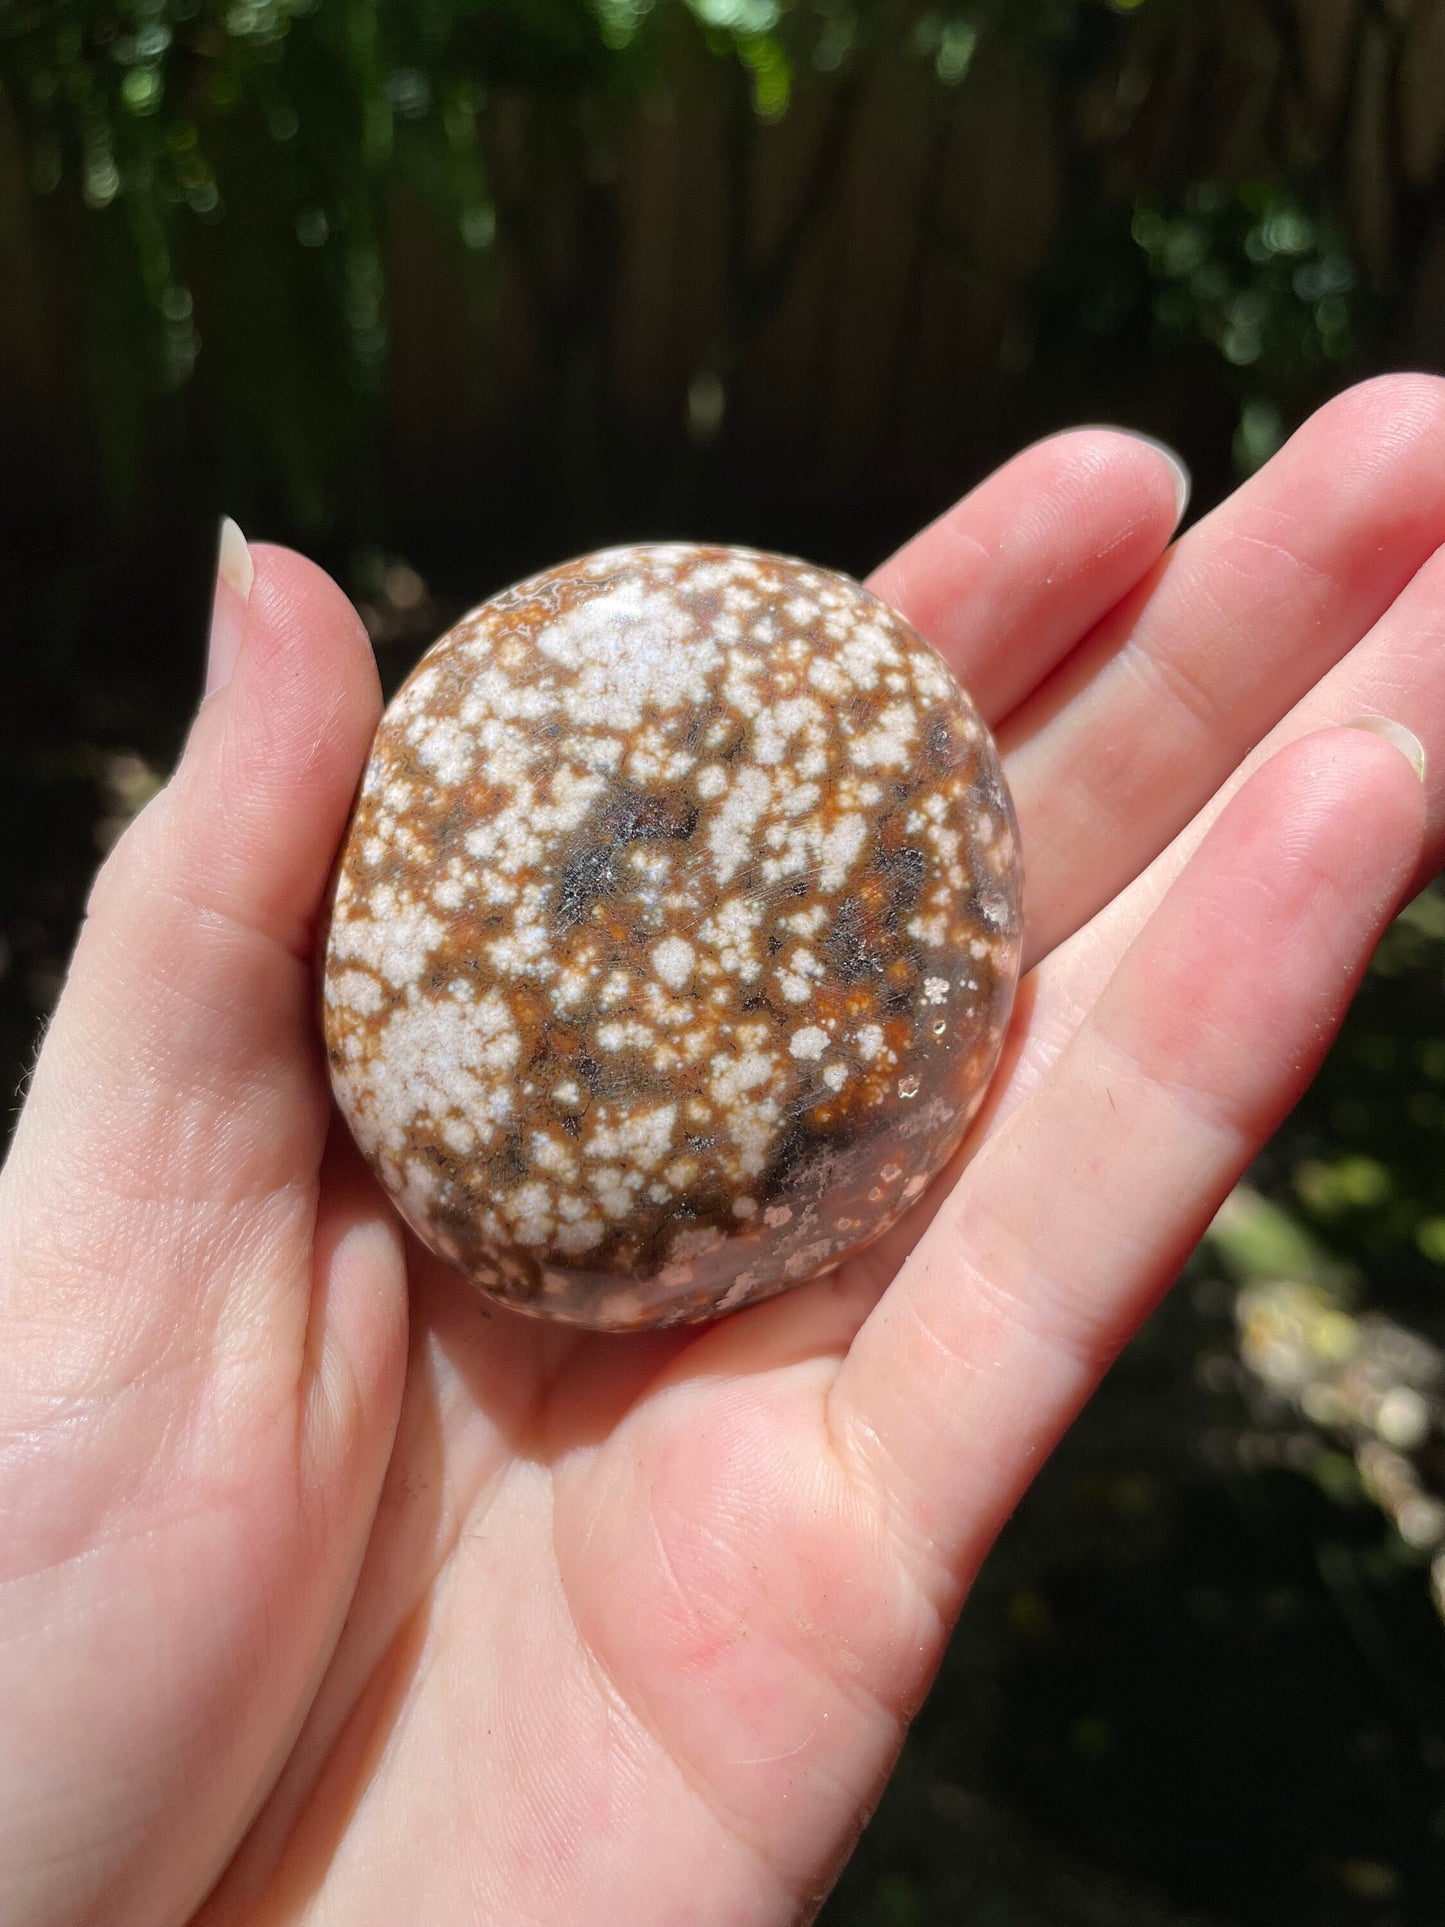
column 594, row 868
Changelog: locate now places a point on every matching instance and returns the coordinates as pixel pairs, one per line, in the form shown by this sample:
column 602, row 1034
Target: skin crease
column 327, row 1595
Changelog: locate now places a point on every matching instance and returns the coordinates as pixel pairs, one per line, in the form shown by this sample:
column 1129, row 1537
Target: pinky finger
column 1076, row 1214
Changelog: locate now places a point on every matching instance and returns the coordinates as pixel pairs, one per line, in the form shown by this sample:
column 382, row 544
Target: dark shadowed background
column 444, row 290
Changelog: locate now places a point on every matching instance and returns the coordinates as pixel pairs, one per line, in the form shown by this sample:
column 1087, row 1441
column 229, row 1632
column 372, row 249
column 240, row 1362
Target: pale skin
column 324, row 1596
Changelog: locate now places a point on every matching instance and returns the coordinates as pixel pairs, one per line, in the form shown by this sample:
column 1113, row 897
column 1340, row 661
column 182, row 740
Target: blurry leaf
column 1259, row 1239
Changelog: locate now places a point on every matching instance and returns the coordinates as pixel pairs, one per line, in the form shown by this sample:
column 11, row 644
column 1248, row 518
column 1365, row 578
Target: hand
column 327, row 1597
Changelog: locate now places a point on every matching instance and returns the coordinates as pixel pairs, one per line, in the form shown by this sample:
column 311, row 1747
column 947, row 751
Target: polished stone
column 674, row 936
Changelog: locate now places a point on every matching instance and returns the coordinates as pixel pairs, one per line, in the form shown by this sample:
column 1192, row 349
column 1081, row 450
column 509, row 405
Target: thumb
column 204, row 1328
column 181, row 1079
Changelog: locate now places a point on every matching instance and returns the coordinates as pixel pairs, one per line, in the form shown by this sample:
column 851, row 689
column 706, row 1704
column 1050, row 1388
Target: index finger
column 1007, row 581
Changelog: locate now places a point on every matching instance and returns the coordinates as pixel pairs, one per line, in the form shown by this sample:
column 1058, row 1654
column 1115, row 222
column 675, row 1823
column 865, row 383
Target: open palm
column 329, row 1597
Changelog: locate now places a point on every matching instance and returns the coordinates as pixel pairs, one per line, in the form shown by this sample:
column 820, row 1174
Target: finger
column 204, row 1340
column 1397, row 671
column 1007, row 581
column 181, row 1078
column 1077, row 1212
column 1132, row 735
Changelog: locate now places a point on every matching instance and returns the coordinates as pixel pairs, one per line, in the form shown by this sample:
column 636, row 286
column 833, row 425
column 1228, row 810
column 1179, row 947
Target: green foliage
column 261, row 153
column 1265, row 281
column 296, row 126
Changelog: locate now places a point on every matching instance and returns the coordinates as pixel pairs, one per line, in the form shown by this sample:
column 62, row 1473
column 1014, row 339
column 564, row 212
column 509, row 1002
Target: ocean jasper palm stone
column 674, row 935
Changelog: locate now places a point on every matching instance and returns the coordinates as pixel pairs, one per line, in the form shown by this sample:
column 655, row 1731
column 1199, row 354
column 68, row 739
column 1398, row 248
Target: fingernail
column 1405, row 740
column 235, row 572
column 1183, row 480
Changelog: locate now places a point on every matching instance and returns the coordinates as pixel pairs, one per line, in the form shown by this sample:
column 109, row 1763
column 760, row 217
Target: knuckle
column 131, row 861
